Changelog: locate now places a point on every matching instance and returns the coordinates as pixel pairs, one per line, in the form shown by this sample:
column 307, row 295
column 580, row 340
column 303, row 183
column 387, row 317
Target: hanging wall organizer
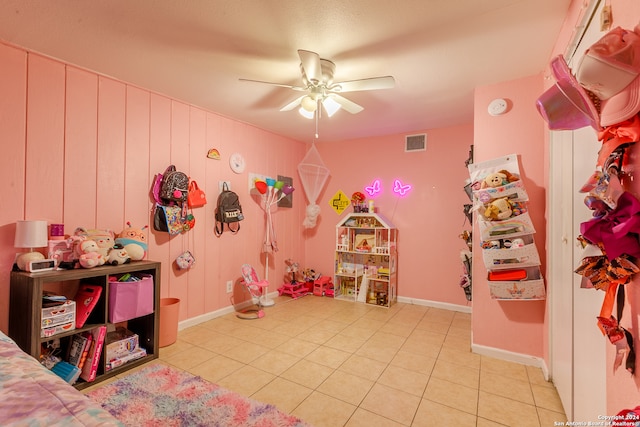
column 508, row 248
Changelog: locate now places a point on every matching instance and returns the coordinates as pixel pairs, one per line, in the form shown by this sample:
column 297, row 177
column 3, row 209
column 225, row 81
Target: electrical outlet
column 221, row 184
column 229, row 286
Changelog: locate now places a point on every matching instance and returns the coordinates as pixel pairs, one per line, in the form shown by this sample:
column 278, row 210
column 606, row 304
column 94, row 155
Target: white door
column 577, row 356
column 578, row 360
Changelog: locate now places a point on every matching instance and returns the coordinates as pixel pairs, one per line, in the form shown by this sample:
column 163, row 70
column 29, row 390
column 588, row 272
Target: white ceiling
column 196, row 50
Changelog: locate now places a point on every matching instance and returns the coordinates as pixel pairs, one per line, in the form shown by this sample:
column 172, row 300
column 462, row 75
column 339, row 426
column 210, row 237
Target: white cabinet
column 365, row 260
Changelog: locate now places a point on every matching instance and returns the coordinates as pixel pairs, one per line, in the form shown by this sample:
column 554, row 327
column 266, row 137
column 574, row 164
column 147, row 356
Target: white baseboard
column 184, row 324
column 213, row 314
column 509, row 356
column 435, row 304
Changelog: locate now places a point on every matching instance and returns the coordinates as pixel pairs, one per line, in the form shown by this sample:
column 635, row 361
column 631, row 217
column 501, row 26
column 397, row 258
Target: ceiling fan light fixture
column 309, row 104
column 306, row 114
column 330, row 106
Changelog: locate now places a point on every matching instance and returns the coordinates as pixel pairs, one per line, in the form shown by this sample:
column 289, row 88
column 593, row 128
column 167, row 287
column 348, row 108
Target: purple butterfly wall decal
column 374, row 188
column 399, row 188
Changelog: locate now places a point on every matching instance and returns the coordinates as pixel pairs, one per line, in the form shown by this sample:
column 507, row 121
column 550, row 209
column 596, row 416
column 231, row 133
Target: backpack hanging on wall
column 175, row 186
column 169, row 192
column 228, row 211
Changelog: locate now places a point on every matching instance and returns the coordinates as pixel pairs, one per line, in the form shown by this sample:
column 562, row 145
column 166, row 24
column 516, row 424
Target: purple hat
column 566, row 105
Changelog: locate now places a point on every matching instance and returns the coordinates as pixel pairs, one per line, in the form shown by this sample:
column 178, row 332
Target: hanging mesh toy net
column 313, row 175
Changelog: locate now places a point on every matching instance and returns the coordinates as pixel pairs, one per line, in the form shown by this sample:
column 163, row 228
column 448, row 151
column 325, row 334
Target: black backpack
column 175, row 186
column 228, row 211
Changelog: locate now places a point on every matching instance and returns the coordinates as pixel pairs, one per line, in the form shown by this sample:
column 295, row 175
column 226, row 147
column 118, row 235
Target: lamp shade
column 330, row 105
column 306, row 114
column 31, row 234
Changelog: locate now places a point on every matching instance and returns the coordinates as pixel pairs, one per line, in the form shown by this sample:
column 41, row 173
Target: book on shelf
column 76, row 349
column 90, row 368
column 86, row 299
column 87, row 347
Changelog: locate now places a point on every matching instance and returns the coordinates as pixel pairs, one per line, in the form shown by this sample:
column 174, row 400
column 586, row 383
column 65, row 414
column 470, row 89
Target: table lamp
column 31, row 235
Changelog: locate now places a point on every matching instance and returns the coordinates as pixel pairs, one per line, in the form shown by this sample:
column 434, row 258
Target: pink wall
column 516, row 326
column 82, row 149
column 429, row 218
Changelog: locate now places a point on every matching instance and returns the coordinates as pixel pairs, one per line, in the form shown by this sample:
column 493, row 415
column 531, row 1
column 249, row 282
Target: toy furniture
column 27, row 331
column 293, row 289
column 256, row 289
column 323, row 286
column 366, row 244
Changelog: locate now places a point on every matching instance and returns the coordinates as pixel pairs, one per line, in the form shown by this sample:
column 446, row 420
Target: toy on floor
column 323, row 286
column 309, row 276
column 291, row 285
column 255, row 287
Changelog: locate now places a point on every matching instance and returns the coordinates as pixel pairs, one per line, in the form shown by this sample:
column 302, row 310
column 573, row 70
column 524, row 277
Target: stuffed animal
column 498, row 179
column 291, row 270
column 105, row 239
column 134, row 240
column 511, row 177
column 309, row 275
column 498, row 209
column 90, row 255
column 493, row 180
column 118, row 255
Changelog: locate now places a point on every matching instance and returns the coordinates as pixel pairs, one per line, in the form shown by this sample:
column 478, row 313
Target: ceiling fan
column 321, row 90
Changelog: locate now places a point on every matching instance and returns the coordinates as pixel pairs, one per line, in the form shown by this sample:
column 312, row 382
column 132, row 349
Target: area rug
column 160, row 395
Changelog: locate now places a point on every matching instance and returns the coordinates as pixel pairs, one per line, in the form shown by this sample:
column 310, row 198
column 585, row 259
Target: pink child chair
column 255, row 287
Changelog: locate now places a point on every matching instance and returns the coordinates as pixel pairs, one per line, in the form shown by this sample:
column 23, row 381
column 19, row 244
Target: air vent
column 415, row 142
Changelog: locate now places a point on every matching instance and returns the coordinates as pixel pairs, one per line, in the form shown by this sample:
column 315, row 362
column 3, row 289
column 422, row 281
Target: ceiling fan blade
column 274, row 84
column 293, row 104
column 311, row 65
column 349, row 106
column 373, row 83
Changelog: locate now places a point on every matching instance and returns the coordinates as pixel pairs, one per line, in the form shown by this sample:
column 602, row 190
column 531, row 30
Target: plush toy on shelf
column 118, row 255
column 498, row 209
column 89, row 254
column 105, row 239
column 498, row 179
column 134, row 240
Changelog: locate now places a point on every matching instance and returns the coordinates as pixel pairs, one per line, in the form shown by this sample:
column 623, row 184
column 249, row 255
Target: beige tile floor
column 337, row 363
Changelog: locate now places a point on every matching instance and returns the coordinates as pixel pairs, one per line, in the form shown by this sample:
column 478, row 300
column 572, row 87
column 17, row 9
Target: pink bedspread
column 31, row 395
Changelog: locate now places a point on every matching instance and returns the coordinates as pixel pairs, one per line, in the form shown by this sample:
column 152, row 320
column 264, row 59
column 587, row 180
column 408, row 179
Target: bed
column 31, row 395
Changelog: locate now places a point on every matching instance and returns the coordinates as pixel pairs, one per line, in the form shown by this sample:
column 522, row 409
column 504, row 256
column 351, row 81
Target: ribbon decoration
column 619, row 336
column 616, row 135
column 618, row 230
column 601, row 272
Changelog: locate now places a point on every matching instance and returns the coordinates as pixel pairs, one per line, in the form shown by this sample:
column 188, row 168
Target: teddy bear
column 498, row 179
column 498, row 209
column 89, row 254
column 494, row 180
column 134, row 240
column 105, row 239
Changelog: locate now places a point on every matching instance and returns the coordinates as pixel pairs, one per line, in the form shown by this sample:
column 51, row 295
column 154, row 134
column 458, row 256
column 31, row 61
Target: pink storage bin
column 128, row 300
